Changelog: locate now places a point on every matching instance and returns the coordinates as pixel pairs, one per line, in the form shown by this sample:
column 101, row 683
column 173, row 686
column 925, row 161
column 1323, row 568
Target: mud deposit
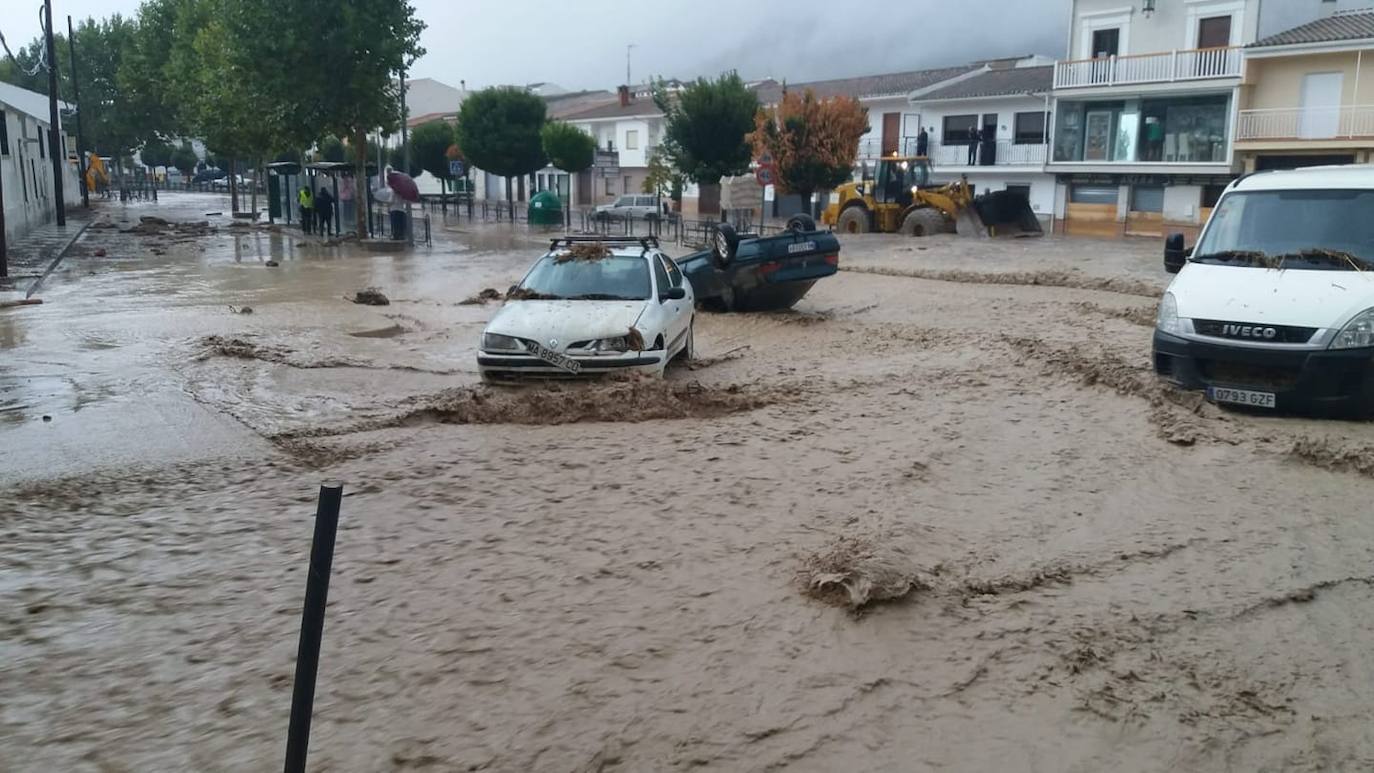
column 912, row 525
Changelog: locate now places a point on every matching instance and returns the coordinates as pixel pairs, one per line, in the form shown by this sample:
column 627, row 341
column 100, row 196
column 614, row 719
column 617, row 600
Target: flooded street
column 1094, row 571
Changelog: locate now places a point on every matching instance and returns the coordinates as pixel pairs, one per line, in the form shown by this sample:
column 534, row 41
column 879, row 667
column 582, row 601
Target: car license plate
column 555, row 359
column 793, row 249
column 1241, row 397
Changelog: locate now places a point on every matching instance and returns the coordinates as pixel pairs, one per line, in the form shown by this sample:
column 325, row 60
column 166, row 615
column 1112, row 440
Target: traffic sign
column 765, row 159
column 766, row 175
column 455, row 168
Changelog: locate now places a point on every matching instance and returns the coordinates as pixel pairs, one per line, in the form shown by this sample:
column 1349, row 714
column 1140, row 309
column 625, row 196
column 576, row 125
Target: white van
column 1274, row 306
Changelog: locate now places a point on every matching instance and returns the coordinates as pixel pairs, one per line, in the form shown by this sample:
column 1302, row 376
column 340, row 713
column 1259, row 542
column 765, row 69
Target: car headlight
column 1358, row 333
column 1167, row 320
column 495, row 342
column 617, row 344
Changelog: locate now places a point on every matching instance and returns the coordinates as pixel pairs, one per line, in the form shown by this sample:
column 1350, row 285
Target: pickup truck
column 746, row 272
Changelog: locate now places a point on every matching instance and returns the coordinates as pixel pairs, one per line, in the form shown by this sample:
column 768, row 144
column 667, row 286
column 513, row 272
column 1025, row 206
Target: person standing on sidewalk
column 324, row 212
column 307, row 205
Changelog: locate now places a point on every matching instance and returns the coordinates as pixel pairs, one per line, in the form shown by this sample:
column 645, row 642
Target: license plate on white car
column 554, row 358
column 1241, row 397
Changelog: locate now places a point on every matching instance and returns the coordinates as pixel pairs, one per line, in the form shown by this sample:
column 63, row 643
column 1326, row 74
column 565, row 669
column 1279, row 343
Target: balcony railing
column 1004, row 153
column 1163, row 67
column 1306, row 123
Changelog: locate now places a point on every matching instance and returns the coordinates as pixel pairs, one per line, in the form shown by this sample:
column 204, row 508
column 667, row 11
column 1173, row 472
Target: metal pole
column 405, row 152
column 54, row 122
column 312, row 627
column 76, row 99
column 4, row 249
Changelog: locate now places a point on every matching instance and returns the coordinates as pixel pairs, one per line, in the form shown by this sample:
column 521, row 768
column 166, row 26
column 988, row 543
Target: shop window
column 1147, row 198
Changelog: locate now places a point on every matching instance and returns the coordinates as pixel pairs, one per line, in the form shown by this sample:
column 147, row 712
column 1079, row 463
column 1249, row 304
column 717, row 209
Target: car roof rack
column 647, row 242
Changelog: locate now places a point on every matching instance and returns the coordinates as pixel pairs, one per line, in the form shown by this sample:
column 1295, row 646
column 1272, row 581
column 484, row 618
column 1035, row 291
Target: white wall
column 28, row 176
column 648, row 131
column 1172, row 26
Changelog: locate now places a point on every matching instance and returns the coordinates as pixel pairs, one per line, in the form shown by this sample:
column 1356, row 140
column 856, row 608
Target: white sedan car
column 592, row 306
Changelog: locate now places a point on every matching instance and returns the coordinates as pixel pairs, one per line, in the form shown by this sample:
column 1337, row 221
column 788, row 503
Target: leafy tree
column 397, row 158
column 344, row 80
column 288, row 156
column 663, row 178
column 156, row 153
column 568, row 147
column 813, row 141
column 331, row 148
column 184, row 159
column 141, row 75
column 704, row 131
column 429, row 144
column 499, row 131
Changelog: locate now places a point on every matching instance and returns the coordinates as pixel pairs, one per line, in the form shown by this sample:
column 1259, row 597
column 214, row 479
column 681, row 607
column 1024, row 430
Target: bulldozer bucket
column 1003, row 213
column 970, row 224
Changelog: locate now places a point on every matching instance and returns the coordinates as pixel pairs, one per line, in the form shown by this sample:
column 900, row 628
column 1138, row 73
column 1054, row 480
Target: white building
column 25, row 161
column 1010, row 105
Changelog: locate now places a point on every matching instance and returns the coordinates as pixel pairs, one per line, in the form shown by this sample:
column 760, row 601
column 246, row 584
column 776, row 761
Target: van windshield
column 1330, row 230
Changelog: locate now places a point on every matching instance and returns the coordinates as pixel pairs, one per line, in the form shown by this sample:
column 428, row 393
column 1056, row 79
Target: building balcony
column 1306, row 123
column 1163, row 67
column 1004, row 153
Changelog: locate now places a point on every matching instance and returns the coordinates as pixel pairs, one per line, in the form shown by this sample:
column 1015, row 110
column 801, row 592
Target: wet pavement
column 1084, row 569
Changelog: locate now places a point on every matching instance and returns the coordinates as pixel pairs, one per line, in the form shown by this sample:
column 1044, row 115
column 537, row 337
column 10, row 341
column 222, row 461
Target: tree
column 330, row 149
column 704, row 131
column 397, row 158
column 156, row 153
column 663, row 178
column 499, row 131
column 429, row 144
column 568, row 147
column 184, row 159
column 813, row 141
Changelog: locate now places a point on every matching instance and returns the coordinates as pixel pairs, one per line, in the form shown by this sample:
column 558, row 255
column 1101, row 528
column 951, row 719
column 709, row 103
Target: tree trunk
column 233, row 187
column 708, row 201
column 362, row 192
column 510, row 198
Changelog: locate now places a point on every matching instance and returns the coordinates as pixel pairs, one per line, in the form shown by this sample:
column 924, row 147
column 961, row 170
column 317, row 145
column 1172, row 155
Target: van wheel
column 924, row 222
column 852, row 221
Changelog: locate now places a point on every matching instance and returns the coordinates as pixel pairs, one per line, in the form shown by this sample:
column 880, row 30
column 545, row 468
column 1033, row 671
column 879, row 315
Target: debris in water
column 635, row 340
column 856, row 572
column 271, row 264
column 384, row 332
column 517, row 293
column 213, row 214
column 46, row 417
column 371, row 296
column 489, row 294
column 99, row 252
column 241, row 309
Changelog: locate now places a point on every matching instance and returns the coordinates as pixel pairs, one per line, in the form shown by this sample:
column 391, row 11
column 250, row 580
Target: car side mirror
column 1175, row 255
column 675, row 294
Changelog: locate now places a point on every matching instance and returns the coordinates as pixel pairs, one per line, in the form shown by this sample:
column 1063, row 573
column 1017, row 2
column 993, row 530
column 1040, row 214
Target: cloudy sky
column 582, row 43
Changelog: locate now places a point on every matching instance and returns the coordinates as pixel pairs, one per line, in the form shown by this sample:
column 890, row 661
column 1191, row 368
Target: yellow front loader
column 900, row 198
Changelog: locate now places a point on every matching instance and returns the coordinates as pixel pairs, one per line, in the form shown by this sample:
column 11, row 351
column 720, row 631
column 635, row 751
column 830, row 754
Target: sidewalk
column 32, row 255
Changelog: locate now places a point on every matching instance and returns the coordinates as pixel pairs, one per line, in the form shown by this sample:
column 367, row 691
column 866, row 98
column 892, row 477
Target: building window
column 1184, row 129
column 41, row 154
column 1030, row 128
column 628, row 185
column 4, row 134
column 1093, row 194
column 1106, row 43
column 1147, row 198
column 957, row 128
column 632, row 139
column 610, row 185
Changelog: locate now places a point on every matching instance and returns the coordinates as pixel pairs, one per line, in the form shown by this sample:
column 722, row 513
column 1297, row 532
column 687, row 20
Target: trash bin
column 545, row 209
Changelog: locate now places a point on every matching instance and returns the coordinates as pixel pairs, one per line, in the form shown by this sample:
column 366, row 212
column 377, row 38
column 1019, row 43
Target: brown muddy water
column 927, row 520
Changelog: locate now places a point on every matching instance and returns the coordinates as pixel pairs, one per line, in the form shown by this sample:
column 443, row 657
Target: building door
column 1321, row 105
column 892, row 128
column 1097, row 143
column 1146, row 215
column 1106, row 42
column 987, row 155
column 1092, row 211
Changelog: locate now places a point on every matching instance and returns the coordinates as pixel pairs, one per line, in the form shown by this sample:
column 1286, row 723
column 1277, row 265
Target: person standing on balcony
column 922, row 143
column 975, row 138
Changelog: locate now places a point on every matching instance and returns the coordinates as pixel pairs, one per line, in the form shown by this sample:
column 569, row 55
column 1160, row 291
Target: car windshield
column 613, row 278
column 1328, row 230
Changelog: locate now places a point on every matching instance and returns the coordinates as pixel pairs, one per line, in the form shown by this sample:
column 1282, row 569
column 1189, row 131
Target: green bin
column 546, row 209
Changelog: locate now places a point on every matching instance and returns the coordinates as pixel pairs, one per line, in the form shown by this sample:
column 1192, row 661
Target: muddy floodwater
column 939, row 516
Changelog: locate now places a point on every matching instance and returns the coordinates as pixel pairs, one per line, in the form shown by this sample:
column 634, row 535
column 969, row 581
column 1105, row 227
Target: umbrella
column 404, row 185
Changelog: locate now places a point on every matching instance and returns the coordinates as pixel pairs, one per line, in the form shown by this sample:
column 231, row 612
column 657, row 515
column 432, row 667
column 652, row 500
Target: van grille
column 1251, row 331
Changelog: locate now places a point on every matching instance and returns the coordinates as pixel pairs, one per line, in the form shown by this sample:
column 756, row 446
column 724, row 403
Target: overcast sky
column 581, row 43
